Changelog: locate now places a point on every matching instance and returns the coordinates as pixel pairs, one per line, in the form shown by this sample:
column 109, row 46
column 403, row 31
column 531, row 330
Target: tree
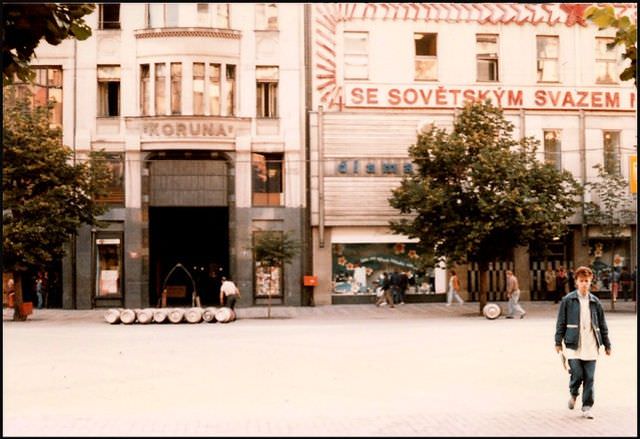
column 612, row 211
column 605, row 17
column 45, row 197
column 25, row 24
column 477, row 193
column 274, row 249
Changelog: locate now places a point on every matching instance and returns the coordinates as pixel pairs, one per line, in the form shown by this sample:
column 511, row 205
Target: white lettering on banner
column 423, row 96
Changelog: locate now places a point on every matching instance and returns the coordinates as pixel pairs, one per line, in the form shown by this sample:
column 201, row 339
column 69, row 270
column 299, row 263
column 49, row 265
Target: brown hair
column 583, row 272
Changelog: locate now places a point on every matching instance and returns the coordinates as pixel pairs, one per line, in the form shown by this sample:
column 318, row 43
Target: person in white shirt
column 582, row 327
column 228, row 293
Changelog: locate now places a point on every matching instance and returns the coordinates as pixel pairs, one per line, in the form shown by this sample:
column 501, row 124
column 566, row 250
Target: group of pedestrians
column 558, row 282
column 392, row 288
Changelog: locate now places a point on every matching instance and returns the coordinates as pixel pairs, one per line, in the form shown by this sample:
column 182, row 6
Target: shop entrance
column 197, row 238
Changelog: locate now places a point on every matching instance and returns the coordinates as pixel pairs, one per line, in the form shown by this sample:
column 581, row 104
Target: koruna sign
column 191, row 127
column 367, row 95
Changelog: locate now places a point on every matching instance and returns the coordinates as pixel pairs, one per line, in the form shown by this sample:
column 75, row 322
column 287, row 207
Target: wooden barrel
column 127, row 316
column 193, row 315
column 492, row 311
column 112, row 315
column 176, row 315
column 225, row 315
column 144, row 316
column 160, row 315
column 209, row 314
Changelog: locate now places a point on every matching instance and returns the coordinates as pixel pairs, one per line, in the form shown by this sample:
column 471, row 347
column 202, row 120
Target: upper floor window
column 487, row 57
column 426, row 56
column 547, row 58
column 176, row 88
column 145, row 90
column 184, row 15
column 231, row 89
column 356, row 55
column 214, row 89
column 221, row 15
column 267, row 91
column 605, row 61
column 552, row 152
column 115, row 185
column 267, row 179
column 198, row 88
column 611, row 143
column 266, row 16
column 160, row 89
column 46, row 87
column 109, row 15
column 108, row 91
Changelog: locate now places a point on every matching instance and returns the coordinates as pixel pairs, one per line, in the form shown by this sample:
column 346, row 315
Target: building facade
column 200, row 109
column 384, row 71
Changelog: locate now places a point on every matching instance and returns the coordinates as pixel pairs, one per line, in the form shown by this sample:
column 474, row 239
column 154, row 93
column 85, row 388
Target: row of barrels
column 172, row 315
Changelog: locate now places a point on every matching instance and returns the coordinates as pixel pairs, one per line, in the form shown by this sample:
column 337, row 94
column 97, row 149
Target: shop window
column 356, row 55
column 547, row 58
column 109, row 15
column 176, row 88
column 231, row 89
column 46, row 87
column 108, row 260
column 611, row 142
column 108, row 91
column 267, row 91
column 487, row 57
column 606, row 71
column 214, row 89
column 268, row 278
column 267, row 179
column 160, row 94
column 145, row 90
column 266, row 16
column 115, row 186
column 552, row 151
column 426, row 67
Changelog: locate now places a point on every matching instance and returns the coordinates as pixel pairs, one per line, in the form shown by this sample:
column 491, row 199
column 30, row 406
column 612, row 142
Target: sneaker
column 448, row 304
column 401, row 303
column 572, row 402
column 522, row 315
column 587, row 414
column 508, row 317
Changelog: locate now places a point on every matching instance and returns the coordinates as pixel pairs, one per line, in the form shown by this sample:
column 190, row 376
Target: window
column 171, row 15
column 108, row 91
column 356, row 55
column 267, row 91
column 611, row 142
column 155, row 15
column 426, row 56
column 115, row 186
column 231, row 89
column 204, row 19
column 145, row 90
column 267, row 179
column 605, row 61
column 46, row 86
column 222, row 15
column 176, row 88
column 214, row 89
column 108, row 254
column 487, row 57
column 198, row 88
column 547, row 58
column 161, row 74
column 266, row 16
column 268, row 278
column 109, row 15
column 552, row 150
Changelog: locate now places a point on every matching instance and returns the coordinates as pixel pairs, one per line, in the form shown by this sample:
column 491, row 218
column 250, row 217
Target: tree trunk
column 269, row 296
column 17, row 298
column 483, row 267
column 612, row 275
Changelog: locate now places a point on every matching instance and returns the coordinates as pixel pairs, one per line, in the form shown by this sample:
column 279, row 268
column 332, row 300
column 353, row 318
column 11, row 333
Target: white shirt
column 587, row 345
column 229, row 288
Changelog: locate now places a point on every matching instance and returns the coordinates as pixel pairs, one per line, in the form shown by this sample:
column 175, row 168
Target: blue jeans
column 40, row 301
column 582, row 372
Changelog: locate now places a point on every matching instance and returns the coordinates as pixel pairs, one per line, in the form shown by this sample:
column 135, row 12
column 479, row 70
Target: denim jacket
column 568, row 323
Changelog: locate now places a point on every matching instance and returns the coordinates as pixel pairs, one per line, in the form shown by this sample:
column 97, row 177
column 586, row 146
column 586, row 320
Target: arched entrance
column 188, row 224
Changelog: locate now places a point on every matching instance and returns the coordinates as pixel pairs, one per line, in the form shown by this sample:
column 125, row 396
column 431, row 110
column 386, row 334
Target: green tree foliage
column 612, row 211
column 274, row 249
column 626, row 34
column 25, row 24
column 476, row 192
column 45, row 196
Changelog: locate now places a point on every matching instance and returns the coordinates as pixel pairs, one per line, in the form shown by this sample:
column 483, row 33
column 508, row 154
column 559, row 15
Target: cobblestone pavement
column 341, row 370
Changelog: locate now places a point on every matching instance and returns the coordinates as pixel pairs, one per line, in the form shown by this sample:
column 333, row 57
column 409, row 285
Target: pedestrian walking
column 513, row 294
column 582, row 328
column 385, row 298
column 550, row 281
column 454, row 289
column 561, row 284
column 229, row 292
column 396, row 287
column 625, row 283
column 39, row 290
